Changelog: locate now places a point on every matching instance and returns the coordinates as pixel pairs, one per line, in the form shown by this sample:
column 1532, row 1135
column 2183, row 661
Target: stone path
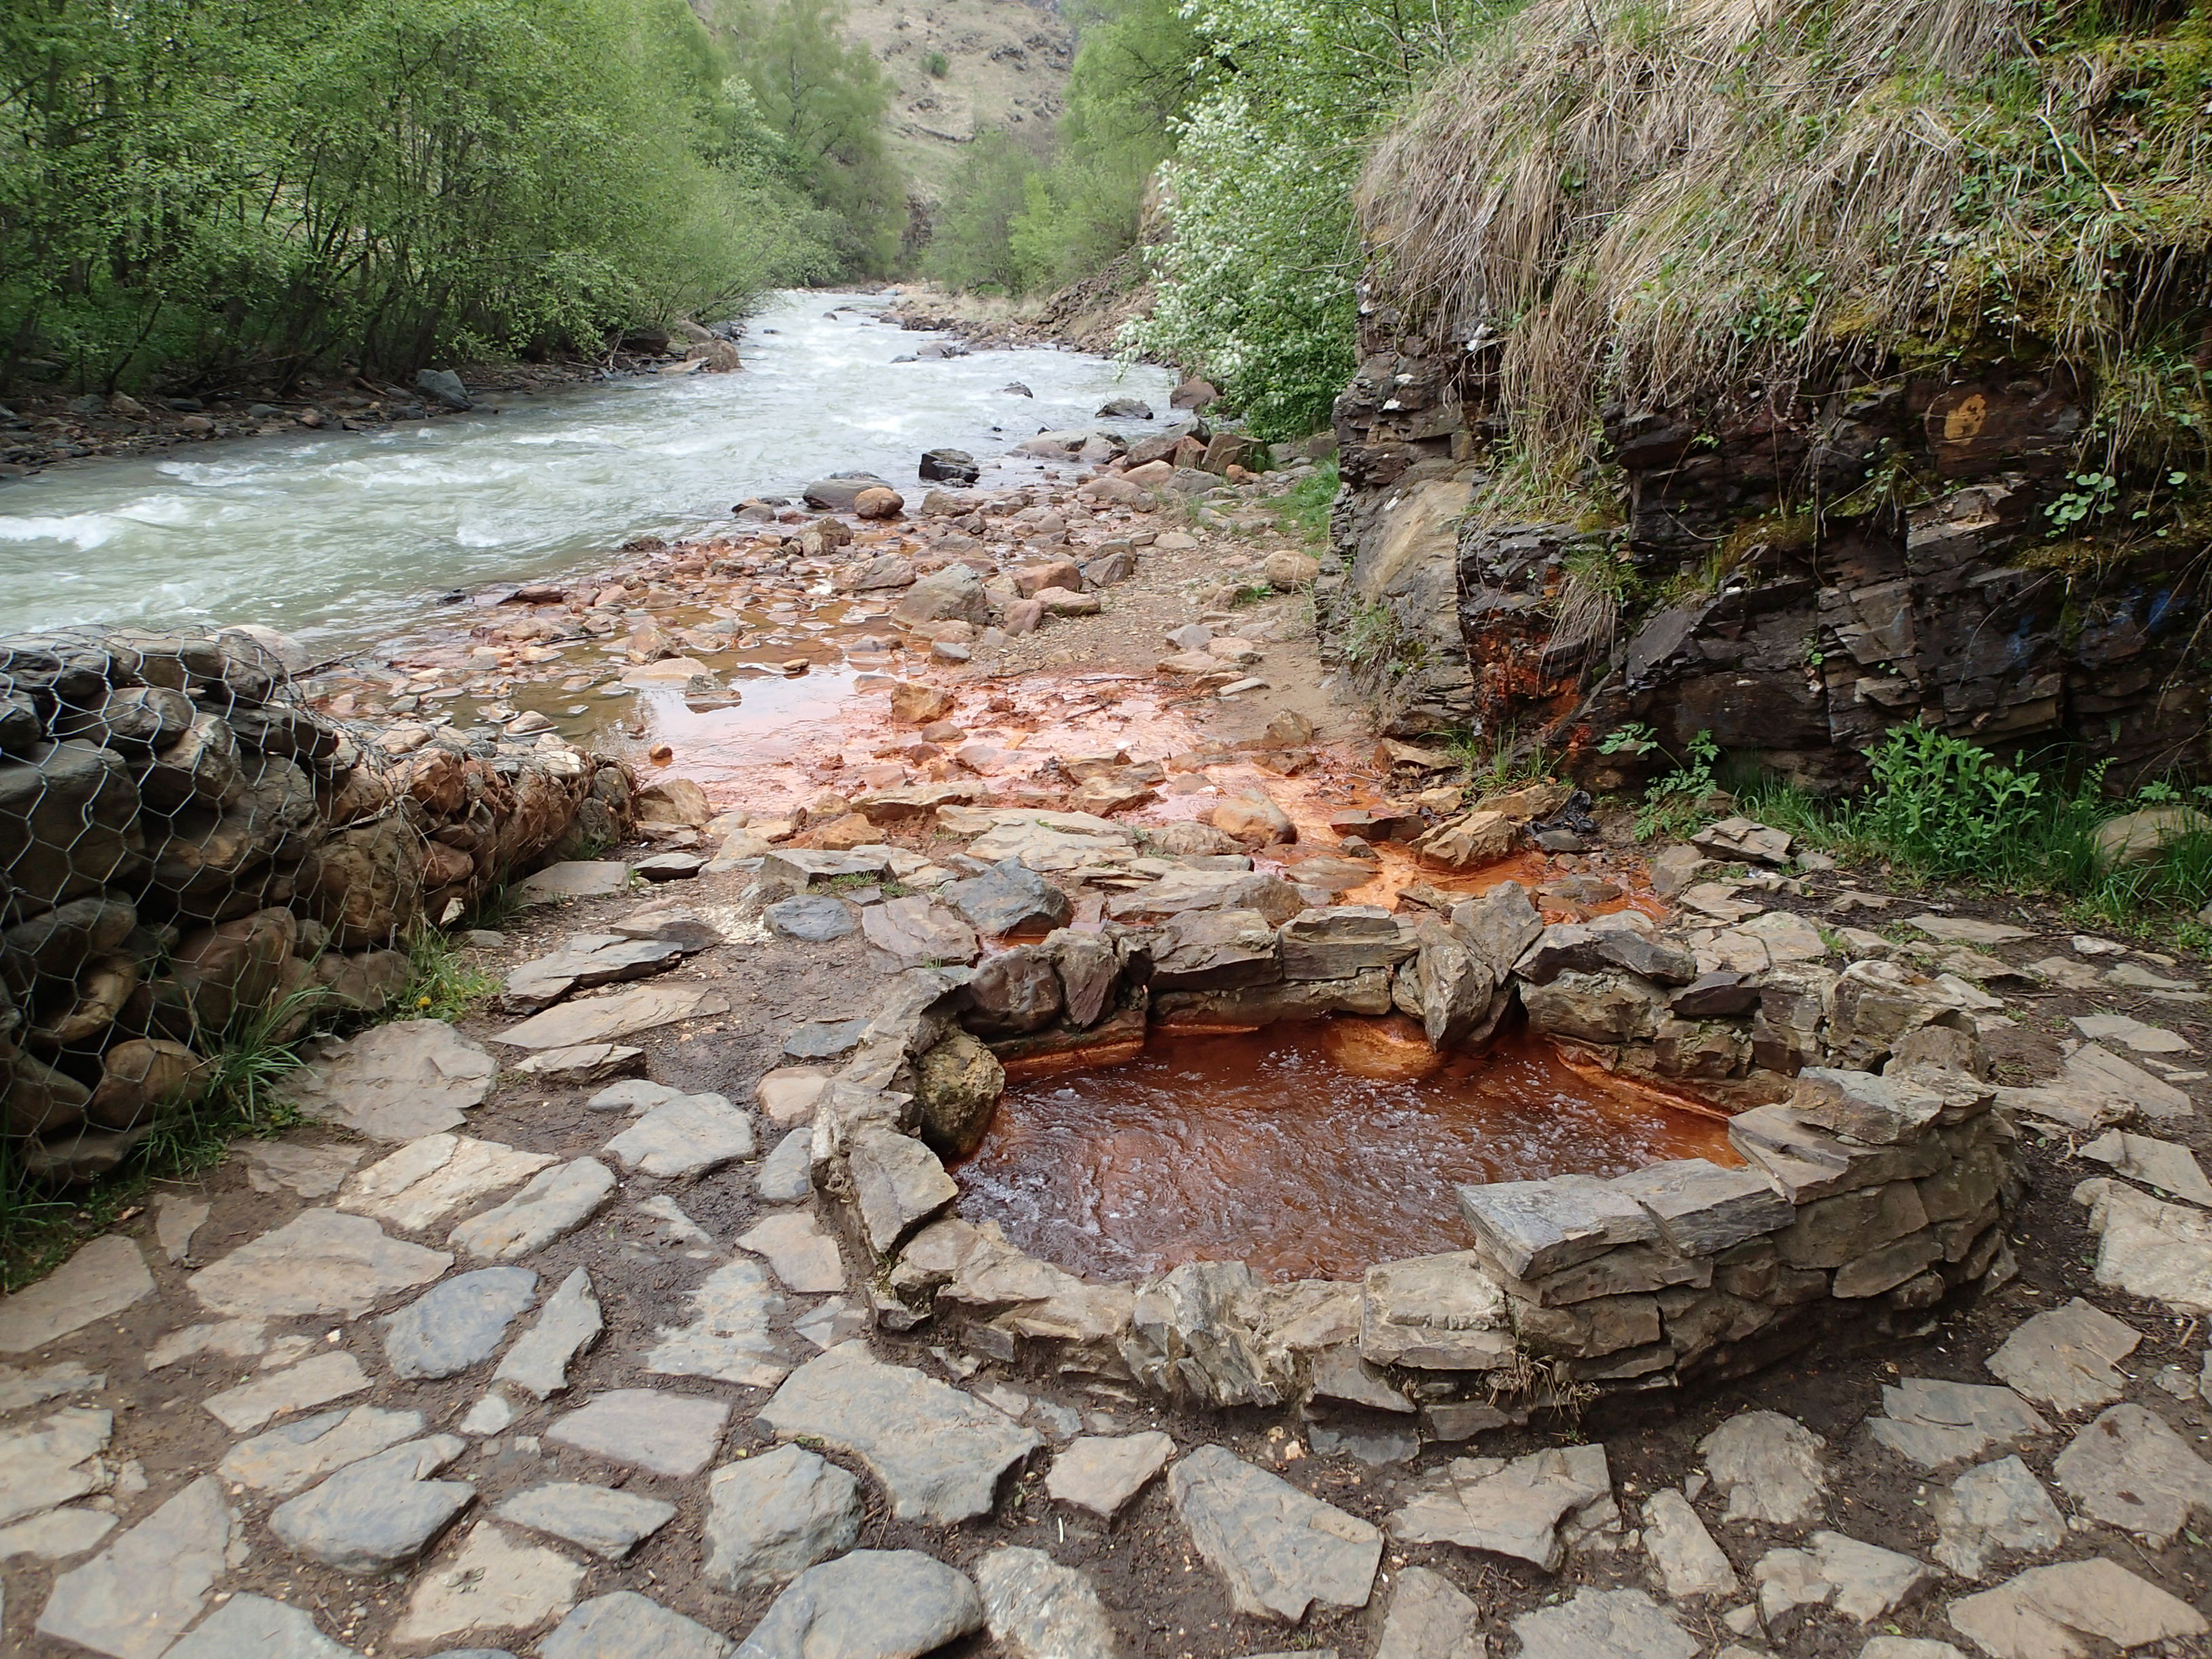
column 620, row 1391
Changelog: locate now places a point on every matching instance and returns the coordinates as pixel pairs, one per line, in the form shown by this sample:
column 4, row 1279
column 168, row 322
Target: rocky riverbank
column 43, row 429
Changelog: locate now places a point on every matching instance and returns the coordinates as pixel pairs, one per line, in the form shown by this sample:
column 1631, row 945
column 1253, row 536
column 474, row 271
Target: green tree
column 827, row 99
column 971, row 246
column 211, row 193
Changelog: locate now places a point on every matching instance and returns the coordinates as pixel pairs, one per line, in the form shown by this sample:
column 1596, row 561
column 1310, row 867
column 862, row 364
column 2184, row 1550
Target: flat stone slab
column 1103, row 1473
column 1771, row 1468
column 2148, row 1248
column 556, row 1203
column 586, row 960
column 380, row 1513
column 1998, row 1507
column 458, row 1323
column 24, row 1386
column 57, row 1536
column 1859, row 1580
column 396, row 1082
column 315, row 1380
column 249, row 1624
column 916, row 931
column 627, row 1626
column 669, row 1434
column 2171, row 1168
column 321, row 1261
column 1534, row 1227
column 1690, row 1562
column 295, row 1166
column 2131, row 1033
column 296, row 1454
column 52, row 1461
column 938, row 1452
column 136, row 1597
column 569, row 1323
column 606, row 1018
column 731, row 1336
column 786, row 1176
column 428, row 1180
column 574, row 879
column 788, row 1095
column 584, row 1062
column 804, row 1256
column 1512, row 1508
column 1968, row 930
column 774, row 1515
column 493, row 1582
column 2130, row 1469
column 1279, row 1550
column 2065, row 1358
column 812, row 918
column 1035, row 1608
column 1932, row 1423
column 823, row 1039
column 871, row 1604
column 688, row 1135
column 1429, row 1617
column 104, row 1278
column 808, row 867
column 897, row 1184
column 603, row 1520
column 2043, row 1613
column 1595, row 1624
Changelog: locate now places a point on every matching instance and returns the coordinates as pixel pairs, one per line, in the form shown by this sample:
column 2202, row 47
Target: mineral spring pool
column 1310, row 1150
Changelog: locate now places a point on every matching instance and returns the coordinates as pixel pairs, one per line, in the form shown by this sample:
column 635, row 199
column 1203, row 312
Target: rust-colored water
column 1311, row 1150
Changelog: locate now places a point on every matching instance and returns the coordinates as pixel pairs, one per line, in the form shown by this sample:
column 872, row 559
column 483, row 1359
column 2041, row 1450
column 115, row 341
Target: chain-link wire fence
column 192, row 857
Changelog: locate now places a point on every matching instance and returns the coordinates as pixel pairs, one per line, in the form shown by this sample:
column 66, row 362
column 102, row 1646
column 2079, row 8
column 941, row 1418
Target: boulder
column 1479, row 837
column 69, row 824
column 139, row 1076
column 1014, row 993
column 880, row 502
column 837, row 492
column 1609, row 1008
column 2138, row 837
column 1253, row 821
column 955, row 593
column 957, row 1084
column 949, row 466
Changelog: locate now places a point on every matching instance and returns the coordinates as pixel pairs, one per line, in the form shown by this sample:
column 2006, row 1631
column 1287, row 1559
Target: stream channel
column 344, row 537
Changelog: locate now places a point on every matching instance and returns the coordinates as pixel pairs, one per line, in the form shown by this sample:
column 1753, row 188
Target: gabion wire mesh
column 188, row 849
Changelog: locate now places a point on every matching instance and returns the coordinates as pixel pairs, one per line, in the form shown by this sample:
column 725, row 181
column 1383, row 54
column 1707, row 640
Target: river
column 341, row 537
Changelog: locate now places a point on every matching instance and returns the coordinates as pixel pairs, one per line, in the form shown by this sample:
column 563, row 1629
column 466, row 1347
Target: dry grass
column 1662, row 202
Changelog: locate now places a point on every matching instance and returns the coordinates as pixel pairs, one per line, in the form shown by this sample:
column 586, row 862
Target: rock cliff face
column 1795, row 635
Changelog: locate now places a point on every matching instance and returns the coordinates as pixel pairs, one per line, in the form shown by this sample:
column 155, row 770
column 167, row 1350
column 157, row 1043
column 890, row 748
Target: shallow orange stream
column 1311, row 1150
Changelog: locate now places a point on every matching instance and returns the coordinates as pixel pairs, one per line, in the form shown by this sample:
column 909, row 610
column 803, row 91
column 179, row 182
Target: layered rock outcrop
column 185, row 844
column 1793, row 578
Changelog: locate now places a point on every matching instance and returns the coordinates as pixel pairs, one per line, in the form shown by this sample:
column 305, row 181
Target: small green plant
column 1671, row 802
column 1250, row 593
column 1946, row 805
column 2093, row 495
column 1633, row 739
column 442, row 983
column 937, row 65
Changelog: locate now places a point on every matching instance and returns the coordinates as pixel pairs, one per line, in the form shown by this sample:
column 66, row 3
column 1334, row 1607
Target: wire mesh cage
column 190, row 851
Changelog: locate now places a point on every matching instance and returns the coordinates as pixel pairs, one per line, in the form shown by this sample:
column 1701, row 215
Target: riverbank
column 1086, row 316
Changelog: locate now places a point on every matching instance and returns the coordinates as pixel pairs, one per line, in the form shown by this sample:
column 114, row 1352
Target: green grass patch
column 40, row 1225
column 1302, row 509
column 1941, row 810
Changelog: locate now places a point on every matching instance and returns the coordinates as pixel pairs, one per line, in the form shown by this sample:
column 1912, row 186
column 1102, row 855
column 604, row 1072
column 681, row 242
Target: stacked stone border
column 1864, row 1194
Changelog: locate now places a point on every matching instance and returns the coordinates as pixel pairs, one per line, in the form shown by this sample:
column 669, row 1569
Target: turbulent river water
column 342, row 537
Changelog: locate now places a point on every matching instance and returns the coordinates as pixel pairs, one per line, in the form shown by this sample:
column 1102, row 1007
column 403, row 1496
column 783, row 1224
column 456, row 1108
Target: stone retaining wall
column 184, row 843
column 1860, row 1194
